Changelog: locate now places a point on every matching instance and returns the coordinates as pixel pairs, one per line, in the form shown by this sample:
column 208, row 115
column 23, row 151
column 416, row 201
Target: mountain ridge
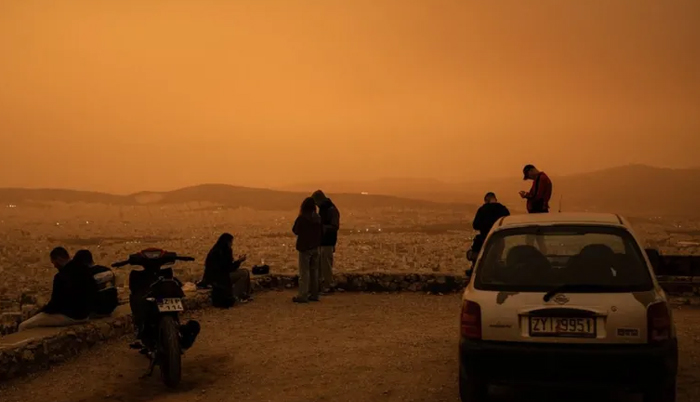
column 634, row 189
column 220, row 194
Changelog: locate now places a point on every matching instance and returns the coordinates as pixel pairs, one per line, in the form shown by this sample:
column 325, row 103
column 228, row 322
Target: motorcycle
column 156, row 301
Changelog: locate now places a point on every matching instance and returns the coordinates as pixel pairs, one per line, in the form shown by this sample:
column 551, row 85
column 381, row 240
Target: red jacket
column 539, row 195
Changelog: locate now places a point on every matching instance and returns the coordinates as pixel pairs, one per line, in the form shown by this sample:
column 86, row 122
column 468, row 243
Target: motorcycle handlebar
column 119, row 264
column 183, row 258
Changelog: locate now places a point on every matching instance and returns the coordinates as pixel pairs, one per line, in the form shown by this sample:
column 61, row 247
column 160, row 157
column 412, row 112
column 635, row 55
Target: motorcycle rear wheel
column 170, row 353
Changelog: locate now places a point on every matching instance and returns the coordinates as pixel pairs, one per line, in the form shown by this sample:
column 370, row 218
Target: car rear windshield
column 541, row 258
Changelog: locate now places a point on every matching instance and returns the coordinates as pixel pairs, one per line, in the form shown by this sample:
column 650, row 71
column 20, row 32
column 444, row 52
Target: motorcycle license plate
column 165, row 305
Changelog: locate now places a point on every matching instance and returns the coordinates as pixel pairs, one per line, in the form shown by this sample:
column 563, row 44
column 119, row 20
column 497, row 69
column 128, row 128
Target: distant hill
column 220, row 194
column 629, row 190
column 634, row 190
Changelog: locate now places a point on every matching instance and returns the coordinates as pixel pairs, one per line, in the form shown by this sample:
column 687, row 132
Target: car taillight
column 471, row 320
column 658, row 322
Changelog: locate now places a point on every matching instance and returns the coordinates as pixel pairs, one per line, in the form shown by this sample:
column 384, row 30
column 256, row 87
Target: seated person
column 229, row 282
column 106, row 298
column 72, row 292
column 486, row 216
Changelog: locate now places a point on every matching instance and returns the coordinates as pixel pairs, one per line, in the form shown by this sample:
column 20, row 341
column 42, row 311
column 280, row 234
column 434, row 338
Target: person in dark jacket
column 330, row 218
column 106, row 298
column 540, row 193
column 485, row 217
column 309, row 231
column 229, row 282
column 72, row 292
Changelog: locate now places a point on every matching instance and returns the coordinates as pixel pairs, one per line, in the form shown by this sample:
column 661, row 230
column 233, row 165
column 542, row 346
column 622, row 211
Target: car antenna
column 560, row 198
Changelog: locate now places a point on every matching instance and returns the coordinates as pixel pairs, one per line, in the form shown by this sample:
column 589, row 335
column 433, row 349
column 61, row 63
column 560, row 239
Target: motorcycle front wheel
column 170, row 353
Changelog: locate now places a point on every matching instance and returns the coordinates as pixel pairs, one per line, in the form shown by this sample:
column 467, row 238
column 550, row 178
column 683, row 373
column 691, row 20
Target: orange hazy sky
column 123, row 96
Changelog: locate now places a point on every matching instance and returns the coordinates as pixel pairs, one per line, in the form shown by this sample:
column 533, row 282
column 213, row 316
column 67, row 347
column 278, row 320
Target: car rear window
column 539, row 258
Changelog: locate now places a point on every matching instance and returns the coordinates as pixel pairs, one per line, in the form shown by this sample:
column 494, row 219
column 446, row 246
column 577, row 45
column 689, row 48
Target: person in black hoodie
column 106, row 298
column 485, row 217
column 229, row 282
column 330, row 218
column 72, row 292
column 309, row 231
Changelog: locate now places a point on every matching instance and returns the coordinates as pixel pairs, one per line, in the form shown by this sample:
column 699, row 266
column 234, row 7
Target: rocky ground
column 349, row 347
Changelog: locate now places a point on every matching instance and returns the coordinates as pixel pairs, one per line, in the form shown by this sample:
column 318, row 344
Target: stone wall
column 37, row 349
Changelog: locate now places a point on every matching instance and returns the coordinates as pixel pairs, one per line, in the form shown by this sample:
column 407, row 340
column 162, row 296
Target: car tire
column 472, row 389
column 663, row 392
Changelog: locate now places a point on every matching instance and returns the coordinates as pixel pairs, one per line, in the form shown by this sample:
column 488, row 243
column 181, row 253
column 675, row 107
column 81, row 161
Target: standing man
column 330, row 218
column 540, row 193
column 537, row 199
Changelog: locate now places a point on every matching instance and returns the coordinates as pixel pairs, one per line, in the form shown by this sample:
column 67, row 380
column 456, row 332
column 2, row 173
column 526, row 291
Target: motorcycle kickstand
column 151, row 368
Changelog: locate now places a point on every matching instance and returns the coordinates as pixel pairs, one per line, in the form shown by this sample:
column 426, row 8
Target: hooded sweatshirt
column 330, row 218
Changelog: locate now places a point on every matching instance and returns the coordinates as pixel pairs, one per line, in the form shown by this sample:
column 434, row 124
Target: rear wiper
column 573, row 287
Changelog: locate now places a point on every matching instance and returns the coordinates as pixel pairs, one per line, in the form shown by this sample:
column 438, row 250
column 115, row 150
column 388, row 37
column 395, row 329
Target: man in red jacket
column 540, row 193
column 537, row 199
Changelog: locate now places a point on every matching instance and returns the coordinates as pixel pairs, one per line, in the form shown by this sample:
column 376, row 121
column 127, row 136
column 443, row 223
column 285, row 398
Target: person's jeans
column 308, row 274
column 326, row 266
column 49, row 320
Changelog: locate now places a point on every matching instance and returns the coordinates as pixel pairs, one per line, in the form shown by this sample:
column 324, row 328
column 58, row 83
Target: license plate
column 563, row 327
column 170, row 305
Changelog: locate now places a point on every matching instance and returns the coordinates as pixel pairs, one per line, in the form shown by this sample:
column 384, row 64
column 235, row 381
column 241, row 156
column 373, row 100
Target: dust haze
column 134, row 124
column 148, row 95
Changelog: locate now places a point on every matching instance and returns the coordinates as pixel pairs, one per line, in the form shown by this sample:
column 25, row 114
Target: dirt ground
column 359, row 347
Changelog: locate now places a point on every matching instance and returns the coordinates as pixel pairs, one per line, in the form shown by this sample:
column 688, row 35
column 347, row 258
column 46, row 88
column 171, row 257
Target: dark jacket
column 485, row 217
column 330, row 218
column 106, row 298
column 72, row 293
column 217, row 273
column 539, row 195
column 309, row 231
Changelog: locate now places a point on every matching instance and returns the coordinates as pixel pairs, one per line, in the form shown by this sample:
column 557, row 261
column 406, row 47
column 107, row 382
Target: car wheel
column 472, row 389
column 663, row 392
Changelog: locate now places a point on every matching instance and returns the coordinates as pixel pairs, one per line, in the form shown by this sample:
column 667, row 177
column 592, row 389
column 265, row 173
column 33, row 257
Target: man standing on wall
column 537, row 198
column 540, row 193
column 330, row 218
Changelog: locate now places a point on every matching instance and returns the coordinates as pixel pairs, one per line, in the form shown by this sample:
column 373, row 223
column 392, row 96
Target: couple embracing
column 317, row 236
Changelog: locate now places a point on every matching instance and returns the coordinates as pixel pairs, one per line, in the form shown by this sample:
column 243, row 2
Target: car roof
column 573, row 218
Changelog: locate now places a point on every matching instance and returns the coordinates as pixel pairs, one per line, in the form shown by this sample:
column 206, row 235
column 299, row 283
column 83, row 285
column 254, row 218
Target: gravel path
column 357, row 347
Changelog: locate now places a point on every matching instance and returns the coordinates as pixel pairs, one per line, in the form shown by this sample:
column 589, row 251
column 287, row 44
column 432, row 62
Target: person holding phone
column 229, row 282
column 537, row 199
column 540, row 193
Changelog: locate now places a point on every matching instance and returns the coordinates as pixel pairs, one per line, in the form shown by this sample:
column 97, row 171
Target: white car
column 566, row 299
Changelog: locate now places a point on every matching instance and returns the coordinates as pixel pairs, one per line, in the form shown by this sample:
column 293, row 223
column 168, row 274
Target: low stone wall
column 37, row 349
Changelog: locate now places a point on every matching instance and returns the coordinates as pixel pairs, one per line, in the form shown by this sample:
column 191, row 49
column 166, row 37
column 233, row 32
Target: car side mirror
column 654, row 257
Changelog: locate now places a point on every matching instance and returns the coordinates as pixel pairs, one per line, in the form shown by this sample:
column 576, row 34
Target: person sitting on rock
column 229, row 282
column 73, row 287
column 106, row 298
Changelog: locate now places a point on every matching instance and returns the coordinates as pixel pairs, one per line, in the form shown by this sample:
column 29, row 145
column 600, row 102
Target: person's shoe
column 328, row 291
column 297, row 299
column 314, row 298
